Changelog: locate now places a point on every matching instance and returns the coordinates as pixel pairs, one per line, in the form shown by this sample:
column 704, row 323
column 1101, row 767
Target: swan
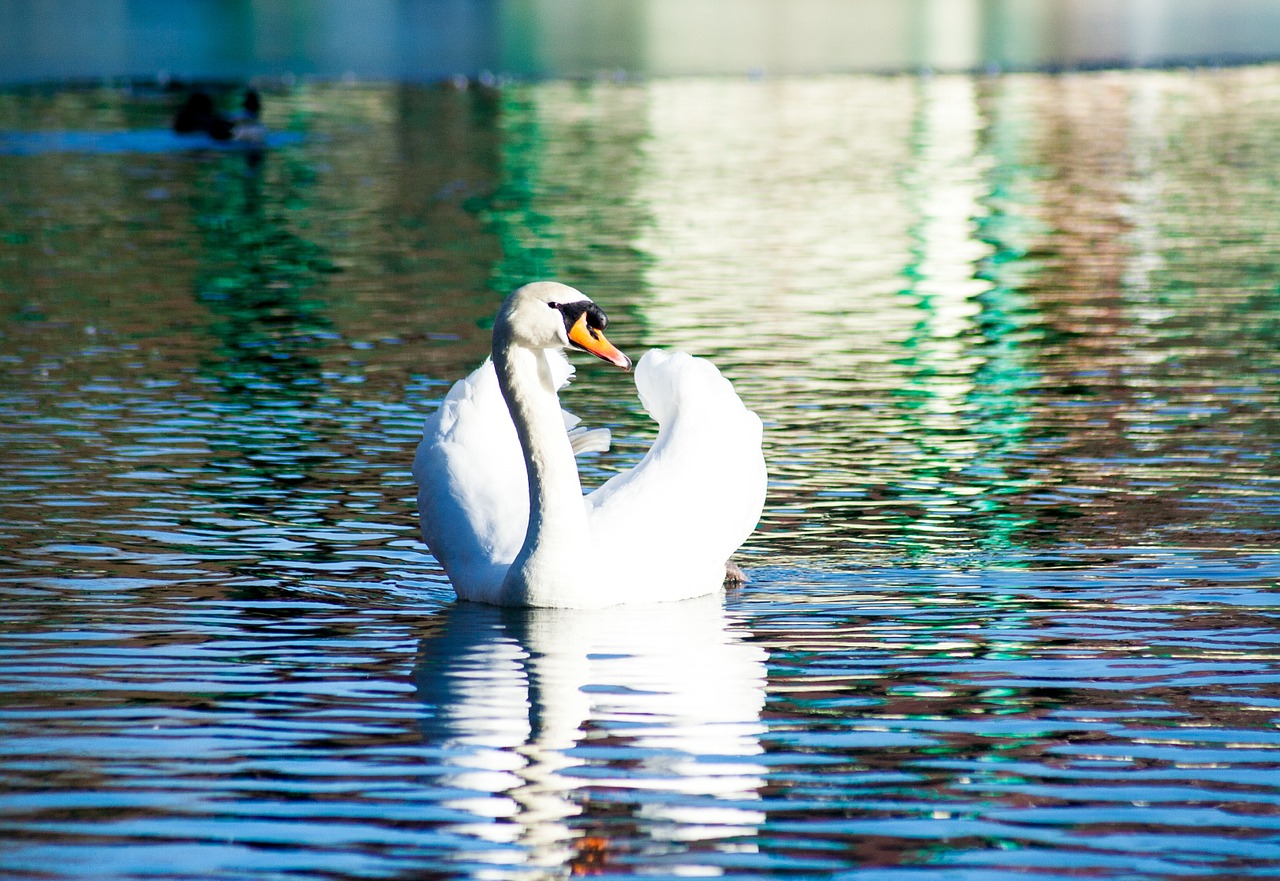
column 500, row 499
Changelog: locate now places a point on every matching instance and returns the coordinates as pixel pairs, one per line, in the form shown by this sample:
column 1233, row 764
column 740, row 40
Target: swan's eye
column 596, row 319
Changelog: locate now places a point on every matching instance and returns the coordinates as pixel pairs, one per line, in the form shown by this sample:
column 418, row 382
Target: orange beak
column 589, row 339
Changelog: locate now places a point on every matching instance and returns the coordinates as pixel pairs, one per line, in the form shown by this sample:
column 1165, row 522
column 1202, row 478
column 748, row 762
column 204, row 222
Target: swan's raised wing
column 473, row 492
column 674, row 519
column 473, row 498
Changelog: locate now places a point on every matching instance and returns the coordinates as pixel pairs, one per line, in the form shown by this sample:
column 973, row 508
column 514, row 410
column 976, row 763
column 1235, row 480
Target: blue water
column 153, row 141
column 1015, row 595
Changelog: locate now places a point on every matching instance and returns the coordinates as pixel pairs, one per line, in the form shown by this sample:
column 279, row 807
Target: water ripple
column 1014, row 601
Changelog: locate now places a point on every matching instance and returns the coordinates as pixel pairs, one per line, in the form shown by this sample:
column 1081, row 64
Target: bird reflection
column 261, row 280
column 540, row 712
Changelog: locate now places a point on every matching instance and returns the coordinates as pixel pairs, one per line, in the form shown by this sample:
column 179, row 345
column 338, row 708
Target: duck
column 500, row 498
column 198, row 115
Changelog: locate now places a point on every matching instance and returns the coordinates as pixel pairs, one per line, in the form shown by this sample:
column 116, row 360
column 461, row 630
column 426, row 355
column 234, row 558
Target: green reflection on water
column 964, row 399
column 1005, row 326
column 526, row 234
column 262, row 281
column 570, row 160
column 265, row 286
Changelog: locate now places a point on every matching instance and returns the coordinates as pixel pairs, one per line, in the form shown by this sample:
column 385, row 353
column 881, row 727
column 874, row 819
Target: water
column 1014, row 607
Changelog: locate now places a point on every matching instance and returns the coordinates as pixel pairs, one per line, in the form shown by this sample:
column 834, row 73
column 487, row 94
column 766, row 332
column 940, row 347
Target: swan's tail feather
column 583, row 439
column 671, row 381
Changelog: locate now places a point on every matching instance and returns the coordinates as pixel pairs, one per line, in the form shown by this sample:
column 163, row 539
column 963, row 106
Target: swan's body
column 659, row 532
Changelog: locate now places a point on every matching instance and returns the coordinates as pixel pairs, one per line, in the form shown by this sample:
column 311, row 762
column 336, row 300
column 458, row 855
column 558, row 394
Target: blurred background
column 430, row 39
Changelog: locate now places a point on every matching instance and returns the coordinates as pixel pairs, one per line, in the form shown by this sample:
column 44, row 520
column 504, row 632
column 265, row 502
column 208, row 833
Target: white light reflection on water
column 536, row 707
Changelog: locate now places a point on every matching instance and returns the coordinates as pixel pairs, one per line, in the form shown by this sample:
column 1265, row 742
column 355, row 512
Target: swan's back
column 667, row 527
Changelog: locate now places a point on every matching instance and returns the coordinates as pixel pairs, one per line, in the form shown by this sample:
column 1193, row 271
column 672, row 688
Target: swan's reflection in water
column 556, row 725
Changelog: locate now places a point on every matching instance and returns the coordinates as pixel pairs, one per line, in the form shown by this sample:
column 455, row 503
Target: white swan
column 662, row 531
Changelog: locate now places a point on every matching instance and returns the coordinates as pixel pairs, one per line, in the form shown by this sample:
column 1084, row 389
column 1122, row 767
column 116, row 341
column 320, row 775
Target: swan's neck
column 557, row 536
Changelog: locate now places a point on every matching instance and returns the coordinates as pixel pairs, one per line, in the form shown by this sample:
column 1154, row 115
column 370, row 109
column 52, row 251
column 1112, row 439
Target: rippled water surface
column 1016, row 343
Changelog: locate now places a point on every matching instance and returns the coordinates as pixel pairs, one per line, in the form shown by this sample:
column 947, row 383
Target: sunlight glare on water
column 1014, row 597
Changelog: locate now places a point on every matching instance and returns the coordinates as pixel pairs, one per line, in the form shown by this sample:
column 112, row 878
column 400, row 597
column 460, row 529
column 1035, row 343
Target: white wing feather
column 473, row 492
column 695, row 497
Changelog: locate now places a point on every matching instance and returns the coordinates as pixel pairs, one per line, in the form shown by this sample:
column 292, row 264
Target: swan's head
column 548, row 315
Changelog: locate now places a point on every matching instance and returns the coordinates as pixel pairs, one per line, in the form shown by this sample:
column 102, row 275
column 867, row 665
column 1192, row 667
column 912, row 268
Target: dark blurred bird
column 199, row 115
